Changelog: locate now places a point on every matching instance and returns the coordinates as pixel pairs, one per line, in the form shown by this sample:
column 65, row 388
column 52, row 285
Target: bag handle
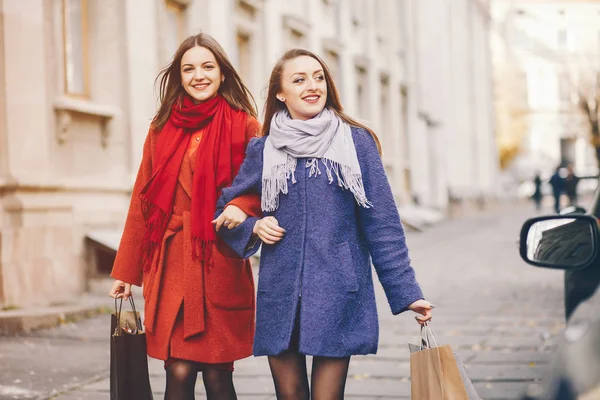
column 138, row 320
column 427, row 337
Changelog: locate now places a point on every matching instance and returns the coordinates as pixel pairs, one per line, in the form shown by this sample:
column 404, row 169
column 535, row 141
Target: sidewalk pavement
column 498, row 313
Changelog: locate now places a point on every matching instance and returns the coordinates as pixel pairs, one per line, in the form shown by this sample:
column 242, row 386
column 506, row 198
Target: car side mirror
column 560, row 241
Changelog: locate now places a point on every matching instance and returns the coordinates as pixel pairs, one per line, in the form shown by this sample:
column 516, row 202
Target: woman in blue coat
column 329, row 211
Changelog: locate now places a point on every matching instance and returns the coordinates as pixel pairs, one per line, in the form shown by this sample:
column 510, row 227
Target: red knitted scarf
column 219, row 157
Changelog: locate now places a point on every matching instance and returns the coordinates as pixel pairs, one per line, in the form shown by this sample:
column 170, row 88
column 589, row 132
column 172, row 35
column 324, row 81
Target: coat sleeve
column 250, row 202
column 248, row 181
column 383, row 230
column 127, row 266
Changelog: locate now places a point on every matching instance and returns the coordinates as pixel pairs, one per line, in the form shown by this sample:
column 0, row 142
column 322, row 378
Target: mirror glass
column 564, row 242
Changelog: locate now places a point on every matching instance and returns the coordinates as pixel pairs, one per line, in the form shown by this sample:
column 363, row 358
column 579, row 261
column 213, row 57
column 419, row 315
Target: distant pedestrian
column 330, row 210
column 571, row 181
column 199, row 297
column 537, row 194
column 558, row 185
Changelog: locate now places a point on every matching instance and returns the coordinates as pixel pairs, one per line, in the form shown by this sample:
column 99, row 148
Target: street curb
column 30, row 319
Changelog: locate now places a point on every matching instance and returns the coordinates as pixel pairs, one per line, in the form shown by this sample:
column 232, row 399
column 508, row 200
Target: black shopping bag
column 129, row 377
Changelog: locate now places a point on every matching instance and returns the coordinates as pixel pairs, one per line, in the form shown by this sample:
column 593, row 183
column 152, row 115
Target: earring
column 281, row 99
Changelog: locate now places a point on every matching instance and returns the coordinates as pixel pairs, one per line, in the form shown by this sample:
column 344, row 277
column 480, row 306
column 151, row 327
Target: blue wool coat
column 321, row 270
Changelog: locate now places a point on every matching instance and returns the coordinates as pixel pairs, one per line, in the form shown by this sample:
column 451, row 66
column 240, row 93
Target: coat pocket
column 229, row 282
column 348, row 269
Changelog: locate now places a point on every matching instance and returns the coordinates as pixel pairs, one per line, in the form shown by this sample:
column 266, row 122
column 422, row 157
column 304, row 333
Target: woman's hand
column 424, row 308
column 120, row 289
column 268, row 230
column 231, row 217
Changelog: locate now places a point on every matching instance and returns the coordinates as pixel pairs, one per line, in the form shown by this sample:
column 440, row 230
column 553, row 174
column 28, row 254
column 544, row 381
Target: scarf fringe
column 156, row 224
column 277, row 182
column 202, row 250
column 347, row 180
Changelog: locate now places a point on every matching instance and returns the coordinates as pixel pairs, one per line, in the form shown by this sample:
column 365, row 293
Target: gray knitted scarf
column 324, row 138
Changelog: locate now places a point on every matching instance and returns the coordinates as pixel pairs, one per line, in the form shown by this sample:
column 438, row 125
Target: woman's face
column 303, row 87
column 201, row 75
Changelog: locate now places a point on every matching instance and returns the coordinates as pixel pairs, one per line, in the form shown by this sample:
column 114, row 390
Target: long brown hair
column 169, row 79
column 272, row 105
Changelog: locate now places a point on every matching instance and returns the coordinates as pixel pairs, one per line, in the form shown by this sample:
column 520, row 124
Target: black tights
column 181, row 381
column 328, row 378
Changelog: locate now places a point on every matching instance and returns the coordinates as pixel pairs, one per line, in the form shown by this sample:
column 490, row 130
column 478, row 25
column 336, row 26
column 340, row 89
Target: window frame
column 245, row 38
column 179, row 9
column 85, row 94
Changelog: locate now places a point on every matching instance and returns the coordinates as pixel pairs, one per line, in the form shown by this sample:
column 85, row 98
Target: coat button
column 198, row 139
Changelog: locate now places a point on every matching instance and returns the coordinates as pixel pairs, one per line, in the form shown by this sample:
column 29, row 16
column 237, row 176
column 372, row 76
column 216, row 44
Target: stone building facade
column 77, row 96
column 544, row 54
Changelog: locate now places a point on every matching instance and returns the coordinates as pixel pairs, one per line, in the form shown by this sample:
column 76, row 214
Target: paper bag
column 434, row 371
column 434, row 375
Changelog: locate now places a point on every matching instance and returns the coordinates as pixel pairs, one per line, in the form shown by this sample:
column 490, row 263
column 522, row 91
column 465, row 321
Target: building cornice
column 16, row 186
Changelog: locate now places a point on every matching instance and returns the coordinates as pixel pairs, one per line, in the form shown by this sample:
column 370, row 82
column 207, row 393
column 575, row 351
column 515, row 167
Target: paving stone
column 379, row 369
column 372, row 398
column 504, row 373
column 509, row 357
column 156, row 367
column 253, row 367
column 50, row 365
column 517, row 343
column 99, row 386
column 500, row 390
column 253, row 386
column 385, row 388
column 387, row 354
column 85, row 395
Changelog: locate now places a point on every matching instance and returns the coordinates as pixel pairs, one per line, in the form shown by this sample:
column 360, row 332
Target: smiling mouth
column 313, row 98
column 201, row 86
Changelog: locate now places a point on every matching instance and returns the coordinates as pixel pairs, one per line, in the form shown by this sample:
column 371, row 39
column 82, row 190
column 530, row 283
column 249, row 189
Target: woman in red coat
column 199, row 296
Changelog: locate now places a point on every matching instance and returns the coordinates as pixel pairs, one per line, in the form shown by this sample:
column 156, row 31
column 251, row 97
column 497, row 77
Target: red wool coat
column 192, row 312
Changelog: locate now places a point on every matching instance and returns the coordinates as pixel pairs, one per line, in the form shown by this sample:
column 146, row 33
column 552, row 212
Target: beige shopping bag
column 434, row 372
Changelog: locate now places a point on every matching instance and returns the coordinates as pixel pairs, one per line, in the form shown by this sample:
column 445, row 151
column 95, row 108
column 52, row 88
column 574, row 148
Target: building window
column 333, row 63
column 296, row 31
column 404, row 122
column 358, row 12
column 362, row 94
column 565, row 40
column 295, row 39
column 244, row 57
column 562, row 38
column 75, row 42
column 564, row 91
column 567, row 151
column 386, row 111
column 175, row 29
